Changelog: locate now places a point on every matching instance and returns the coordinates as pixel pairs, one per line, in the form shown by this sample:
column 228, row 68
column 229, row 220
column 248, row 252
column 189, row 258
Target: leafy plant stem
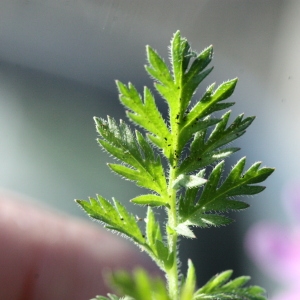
column 195, row 145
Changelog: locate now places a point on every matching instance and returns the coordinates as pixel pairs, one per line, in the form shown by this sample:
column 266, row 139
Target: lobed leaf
column 179, row 57
column 158, row 69
column 184, row 230
column 140, row 164
column 139, row 285
column 204, row 152
column 155, row 241
column 164, row 84
column 177, row 87
column 145, row 113
column 114, row 216
column 186, row 78
column 188, row 181
column 207, row 105
column 150, row 199
column 217, row 197
column 194, row 76
column 189, row 285
column 219, row 287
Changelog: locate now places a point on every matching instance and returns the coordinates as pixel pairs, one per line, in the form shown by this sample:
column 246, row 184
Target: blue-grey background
column 58, row 63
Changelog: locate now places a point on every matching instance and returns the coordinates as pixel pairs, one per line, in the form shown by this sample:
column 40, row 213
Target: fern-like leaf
column 145, row 113
column 219, row 287
column 189, row 284
column 155, row 241
column 209, row 103
column 114, row 216
column 139, row 285
column 177, row 85
column 218, row 197
column 204, row 152
column 142, row 165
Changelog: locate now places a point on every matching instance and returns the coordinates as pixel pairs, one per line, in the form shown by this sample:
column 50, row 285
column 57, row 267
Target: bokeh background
column 58, row 63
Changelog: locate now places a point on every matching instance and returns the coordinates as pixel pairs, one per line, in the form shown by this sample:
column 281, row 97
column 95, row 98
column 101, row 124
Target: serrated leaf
column 189, row 285
column 238, row 183
column 164, row 255
column 157, row 68
column 202, row 125
column 144, row 113
column 209, row 103
column 142, row 166
column 150, row 199
column 236, row 283
column 153, row 232
column 226, row 205
column 179, row 61
column 204, row 152
column 218, row 197
column 194, row 76
column 114, row 216
column 215, row 282
column 206, row 220
column 219, row 287
column 183, row 230
column 188, row 181
column 139, row 285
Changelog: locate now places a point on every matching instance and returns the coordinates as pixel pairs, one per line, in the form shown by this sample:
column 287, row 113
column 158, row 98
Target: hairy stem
column 172, row 235
column 172, row 273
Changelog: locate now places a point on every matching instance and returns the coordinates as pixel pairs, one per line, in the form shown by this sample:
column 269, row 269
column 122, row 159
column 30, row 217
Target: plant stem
column 172, row 273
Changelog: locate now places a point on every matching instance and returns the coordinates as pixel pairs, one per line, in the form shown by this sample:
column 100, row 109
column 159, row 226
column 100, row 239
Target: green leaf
column 154, row 239
column 215, row 282
column 139, row 285
column 218, row 197
column 153, row 232
column 184, row 230
column 238, row 183
column 204, row 220
column 150, row 199
column 158, row 69
column 219, row 287
column 189, row 285
column 188, row 181
column 145, row 113
column 194, row 76
column 209, row 103
column 204, row 152
column 114, row 216
column 179, row 61
column 141, row 164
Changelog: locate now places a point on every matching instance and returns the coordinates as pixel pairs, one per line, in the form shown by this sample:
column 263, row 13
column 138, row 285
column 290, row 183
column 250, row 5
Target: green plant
column 194, row 146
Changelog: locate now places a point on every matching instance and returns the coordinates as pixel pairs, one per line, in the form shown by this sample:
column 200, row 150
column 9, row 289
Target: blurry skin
column 48, row 256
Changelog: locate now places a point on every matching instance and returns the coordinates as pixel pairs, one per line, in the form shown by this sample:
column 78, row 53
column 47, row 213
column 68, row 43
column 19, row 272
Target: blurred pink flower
column 276, row 249
column 288, row 295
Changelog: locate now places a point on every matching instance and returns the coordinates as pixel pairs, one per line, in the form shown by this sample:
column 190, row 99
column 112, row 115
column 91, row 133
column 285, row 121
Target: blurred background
column 58, row 63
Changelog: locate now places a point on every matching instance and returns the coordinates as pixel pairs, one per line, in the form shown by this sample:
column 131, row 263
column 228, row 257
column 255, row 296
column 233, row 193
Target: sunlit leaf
column 219, row 287
column 114, row 216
